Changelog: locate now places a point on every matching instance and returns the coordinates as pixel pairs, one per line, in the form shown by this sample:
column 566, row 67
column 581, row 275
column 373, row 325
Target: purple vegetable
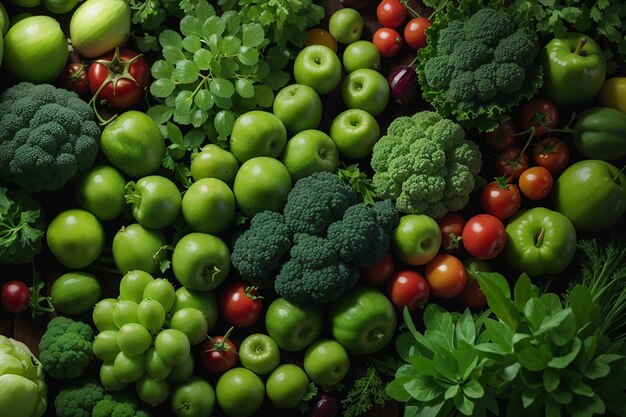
column 403, row 83
column 354, row 4
column 324, row 406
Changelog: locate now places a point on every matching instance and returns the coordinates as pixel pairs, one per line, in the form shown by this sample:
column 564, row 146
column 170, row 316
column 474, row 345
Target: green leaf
column 599, row 367
column 510, row 372
column 186, row 72
column 563, row 361
column 160, row 113
column 169, row 38
column 551, row 379
column 244, row 88
column 203, row 58
column 535, row 313
column 248, row 55
column 466, row 357
column 404, row 343
column 215, row 46
column 500, row 334
column 161, row 69
column 232, row 20
column 213, row 26
column 529, row 396
column 192, row 43
column 222, row 87
column 464, row 405
column 183, row 101
column 578, row 387
column 562, row 395
column 198, row 117
column 204, row 10
column 264, row 95
column 204, row 100
column 162, row 88
column 473, row 389
column 581, row 302
column 552, row 408
column 452, row 392
column 277, row 57
column 422, row 389
column 555, row 320
column 225, row 103
column 276, row 80
column 564, row 332
column 194, row 138
column 524, row 290
column 498, row 295
column 231, row 45
column 426, row 366
column 395, row 389
column 419, row 337
column 530, row 358
column 174, row 134
column 465, row 328
column 172, row 54
column 446, row 364
column 190, row 25
column 224, row 121
column 230, row 68
column 253, row 35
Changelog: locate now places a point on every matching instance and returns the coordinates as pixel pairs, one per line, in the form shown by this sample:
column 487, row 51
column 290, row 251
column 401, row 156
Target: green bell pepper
column 574, row 69
column 540, row 241
column 600, row 133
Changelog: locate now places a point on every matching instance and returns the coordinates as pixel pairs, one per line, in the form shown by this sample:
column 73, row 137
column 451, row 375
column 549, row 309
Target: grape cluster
column 146, row 336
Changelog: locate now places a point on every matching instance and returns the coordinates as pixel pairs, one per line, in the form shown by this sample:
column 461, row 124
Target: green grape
column 172, row 346
column 152, row 392
column 155, row 366
column 190, row 321
column 105, row 345
column 205, row 301
column 133, row 284
column 161, row 290
column 103, row 314
column 129, row 368
column 183, row 371
column 151, row 314
column 109, row 380
column 133, row 339
column 125, row 312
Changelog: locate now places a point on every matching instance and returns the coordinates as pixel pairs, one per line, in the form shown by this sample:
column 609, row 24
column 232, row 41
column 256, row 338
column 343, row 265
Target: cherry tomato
column 15, row 296
column 552, row 154
column 318, row 36
column 408, row 288
column 378, row 273
column 535, row 183
column 511, row 163
column 501, row 138
column 500, row 199
column 111, row 78
column 539, row 113
column 74, row 78
column 446, row 276
column 484, row 236
column 391, row 13
column 388, row 42
column 415, row 32
column 241, row 305
column 451, row 226
column 219, row 354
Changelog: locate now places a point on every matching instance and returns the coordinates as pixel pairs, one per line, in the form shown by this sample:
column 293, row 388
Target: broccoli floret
column 110, row 407
column 509, row 77
column 489, row 26
column 65, row 349
column 432, row 177
column 439, row 71
column 398, row 125
column 450, row 37
column 48, row 136
column 387, row 215
column 470, row 55
column 518, row 48
column 79, row 401
column 304, row 214
column 462, row 89
column 424, row 119
column 259, row 251
column 314, row 273
column 485, row 77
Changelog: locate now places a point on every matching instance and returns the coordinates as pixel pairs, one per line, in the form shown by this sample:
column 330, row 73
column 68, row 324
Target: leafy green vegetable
column 21, row 227
column 359, row 181
column 369, row 390
column 218, row 69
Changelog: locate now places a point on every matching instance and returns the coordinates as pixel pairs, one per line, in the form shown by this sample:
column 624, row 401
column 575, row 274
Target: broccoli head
column 478, row 65
column 48, row 136
column 259, row 251
column 437, row 173
column 79, row 401
column 65, row 349
column 111, row 407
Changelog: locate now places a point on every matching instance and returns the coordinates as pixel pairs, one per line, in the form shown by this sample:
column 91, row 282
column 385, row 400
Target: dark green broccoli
column 21, row 227
column 259, row 251
column 323, row 258
column 111, row 407
column 478, row 65
column 48, row 136
column 65, row 349
column 79, row 401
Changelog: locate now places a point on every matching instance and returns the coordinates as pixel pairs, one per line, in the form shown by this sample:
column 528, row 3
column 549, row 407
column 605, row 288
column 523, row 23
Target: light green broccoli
column 478, row 65
column 65, row 349
column 436, row 169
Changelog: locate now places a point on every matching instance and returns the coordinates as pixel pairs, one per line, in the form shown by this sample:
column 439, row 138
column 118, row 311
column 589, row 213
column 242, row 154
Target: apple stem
column 210, row 272
column 581, row 45
column 377, row 335
column 619, row 173
column 539, row 240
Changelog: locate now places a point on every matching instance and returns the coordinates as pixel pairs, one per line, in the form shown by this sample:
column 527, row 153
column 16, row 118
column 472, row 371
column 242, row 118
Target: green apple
column 366, row 89
column 262, row 183
column 75, row 238
column 416, row 239
column 287, row 386
column 346, row 25
column 4, row 21
column 359, row 55
column 201, row 261
column 193, row 398
column 299, row 107
column 308, row 152
column 240, row 392
column 259, row 353
column 190, row 321
column 208, row 205
column 326, row 362
column 293, row 326
column 355, row 132
column 319, row 67
column 257, row 133
column 592, row 194
column 136, row 247
column 214, row 162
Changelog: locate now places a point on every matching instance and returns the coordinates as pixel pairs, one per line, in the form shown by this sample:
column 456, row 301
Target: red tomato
column 415, row 32
column 388, row 42
column 500, row 199
column 539, row 113
column 74, row 78
column 111, row 78
column 378, row 273
column 408, row 288
column 501, row 138
column 511, row 163
column 219, row 354
column 472, row 296
column 484, row 236
column 446, row 276
column 241, row 305
column 451, row 226
column 552, row 154
column 15, row 296
column 391, row 13
column 535, row 183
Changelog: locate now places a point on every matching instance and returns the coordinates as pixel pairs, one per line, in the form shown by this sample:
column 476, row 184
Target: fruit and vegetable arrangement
column 339, row 208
